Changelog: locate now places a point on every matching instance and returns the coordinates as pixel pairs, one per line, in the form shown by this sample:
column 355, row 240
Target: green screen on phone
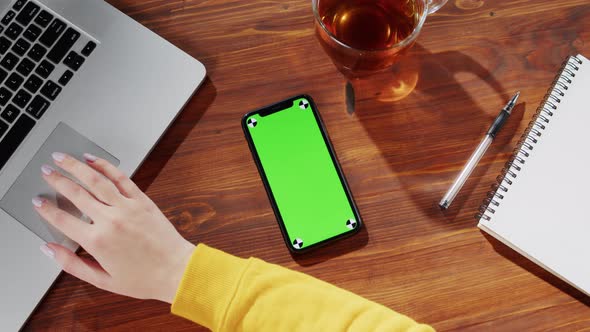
column 304, row 181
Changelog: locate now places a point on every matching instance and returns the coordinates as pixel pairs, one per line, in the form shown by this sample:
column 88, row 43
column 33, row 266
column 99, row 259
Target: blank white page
column 545, row 213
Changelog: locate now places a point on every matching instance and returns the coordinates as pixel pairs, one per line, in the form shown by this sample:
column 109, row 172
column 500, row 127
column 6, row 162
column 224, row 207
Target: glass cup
column 381, row 29
column 434, row 5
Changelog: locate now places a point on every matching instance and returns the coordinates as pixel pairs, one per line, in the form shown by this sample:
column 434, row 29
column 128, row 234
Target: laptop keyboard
column 38, row 58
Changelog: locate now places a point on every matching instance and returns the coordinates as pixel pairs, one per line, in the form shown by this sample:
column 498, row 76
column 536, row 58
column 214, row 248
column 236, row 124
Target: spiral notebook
column 539, row 206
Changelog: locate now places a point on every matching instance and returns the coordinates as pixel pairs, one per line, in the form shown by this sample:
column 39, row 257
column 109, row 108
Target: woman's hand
column 138, row 251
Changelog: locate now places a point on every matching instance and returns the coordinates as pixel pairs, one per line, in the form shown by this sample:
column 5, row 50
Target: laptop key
column 90, row 46
column 25, row 67
column 21, row 47
column 45, row 69
column 18, row 5
column 10, row 113
column 9, row 61
column 5, row 96
column 22, row 98
column 74, row 61
column 3, row 128
column 56, row 28
column 15, row 136
column 51, row 90
column 8, row 17
column 32, row 33
column 37, row 52
column 65, row 78
column 27, row 14
column 38, row 107
column 14, row 30
column 4, row 44
column 14, row 81
column 64, row 44
column 3, row 75
column 33, row 83
column 44, row 18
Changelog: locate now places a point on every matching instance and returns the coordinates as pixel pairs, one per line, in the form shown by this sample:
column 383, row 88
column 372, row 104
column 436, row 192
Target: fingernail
column 58, row 156
column 38, row 201
column 47, row 251
column 90, row 157
column 47, row 170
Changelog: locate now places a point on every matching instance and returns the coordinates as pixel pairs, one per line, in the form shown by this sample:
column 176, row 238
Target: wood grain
column 399, row 157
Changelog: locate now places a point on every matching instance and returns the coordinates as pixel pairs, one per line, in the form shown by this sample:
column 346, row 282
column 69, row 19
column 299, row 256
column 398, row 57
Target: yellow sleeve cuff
column 226, row 293
column 207, row 286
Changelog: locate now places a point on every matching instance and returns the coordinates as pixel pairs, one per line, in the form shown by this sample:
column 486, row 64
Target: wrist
column 176, row 270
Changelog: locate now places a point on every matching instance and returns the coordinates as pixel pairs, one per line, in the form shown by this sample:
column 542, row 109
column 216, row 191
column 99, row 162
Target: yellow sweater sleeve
column 226, row 293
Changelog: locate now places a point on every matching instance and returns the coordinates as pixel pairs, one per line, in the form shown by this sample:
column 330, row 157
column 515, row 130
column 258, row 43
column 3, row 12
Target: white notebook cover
column 545, row 214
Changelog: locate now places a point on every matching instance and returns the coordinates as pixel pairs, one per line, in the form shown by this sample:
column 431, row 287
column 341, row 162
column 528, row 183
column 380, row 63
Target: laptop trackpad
column 17, row 201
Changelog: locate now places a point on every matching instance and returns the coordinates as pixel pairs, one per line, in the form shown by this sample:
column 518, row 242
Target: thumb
column 81, row 268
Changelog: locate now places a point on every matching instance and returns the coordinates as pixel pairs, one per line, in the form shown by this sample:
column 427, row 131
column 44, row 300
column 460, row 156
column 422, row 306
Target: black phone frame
column 280, row 106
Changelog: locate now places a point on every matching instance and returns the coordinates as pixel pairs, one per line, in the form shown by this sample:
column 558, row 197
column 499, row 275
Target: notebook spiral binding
column 530, row 138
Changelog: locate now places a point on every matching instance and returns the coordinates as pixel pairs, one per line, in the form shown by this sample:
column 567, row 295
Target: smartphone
column 302, row 177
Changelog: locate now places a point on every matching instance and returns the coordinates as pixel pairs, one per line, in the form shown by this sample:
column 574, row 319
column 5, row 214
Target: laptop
column 75, row 76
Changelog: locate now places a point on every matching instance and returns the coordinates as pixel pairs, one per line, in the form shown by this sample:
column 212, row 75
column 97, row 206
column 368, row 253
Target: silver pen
column 478, row 153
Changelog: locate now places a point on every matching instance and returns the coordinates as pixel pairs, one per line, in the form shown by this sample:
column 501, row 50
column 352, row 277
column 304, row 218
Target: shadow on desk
column 535, row 269
column 425, row 124
column 176, row 134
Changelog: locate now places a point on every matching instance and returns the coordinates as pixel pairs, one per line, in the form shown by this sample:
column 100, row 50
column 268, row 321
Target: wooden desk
column 399, row 158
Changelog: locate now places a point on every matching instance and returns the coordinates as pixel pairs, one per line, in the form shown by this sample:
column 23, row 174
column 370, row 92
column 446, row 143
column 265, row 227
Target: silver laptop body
column 124, row 88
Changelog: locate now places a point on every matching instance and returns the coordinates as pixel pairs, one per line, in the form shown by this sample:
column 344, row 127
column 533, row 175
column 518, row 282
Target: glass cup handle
column 434, row 5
